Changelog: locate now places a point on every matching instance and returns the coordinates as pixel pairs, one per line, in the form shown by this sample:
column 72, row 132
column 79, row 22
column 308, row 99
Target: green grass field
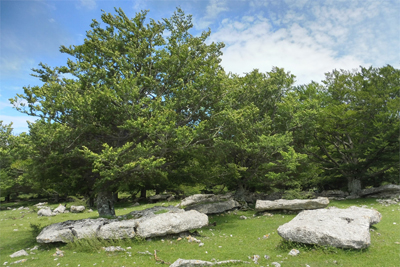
column 231, row 239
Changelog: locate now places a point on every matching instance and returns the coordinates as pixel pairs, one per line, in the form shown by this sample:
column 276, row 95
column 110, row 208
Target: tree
column 136, row 97
column 253, row 144
column 356, row 135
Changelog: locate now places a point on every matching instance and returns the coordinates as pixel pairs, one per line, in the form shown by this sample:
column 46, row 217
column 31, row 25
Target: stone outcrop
column 19, row 253
column 148, row 225
column 171, row 223
column 77, row 209
column 385, row 191
column 334, row 194
column 60, row 209
column 209, row 203
column 296, row 204
column 217, row 207
column 45, row 212
column 343, row 228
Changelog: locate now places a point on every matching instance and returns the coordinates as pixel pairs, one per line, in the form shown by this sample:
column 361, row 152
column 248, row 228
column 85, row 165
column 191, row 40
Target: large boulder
column 66, row 231
column 203, row 198
column 152, row 224
column 209, row 203
column 295, row 204
column 385, row 191
column 170, row 223
column 212, row 208
column 343, row 228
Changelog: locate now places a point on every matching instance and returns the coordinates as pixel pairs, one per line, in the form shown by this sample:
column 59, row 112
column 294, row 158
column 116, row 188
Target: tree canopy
column 144, row 104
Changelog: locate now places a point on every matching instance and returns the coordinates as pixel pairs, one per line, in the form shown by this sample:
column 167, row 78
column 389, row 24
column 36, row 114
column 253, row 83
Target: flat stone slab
column 295, row 204
column 213, row 208
column 343, row 228
column 150, row 225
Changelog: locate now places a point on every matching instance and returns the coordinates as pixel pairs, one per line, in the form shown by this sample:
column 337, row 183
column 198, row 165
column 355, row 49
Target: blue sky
column 306, row 37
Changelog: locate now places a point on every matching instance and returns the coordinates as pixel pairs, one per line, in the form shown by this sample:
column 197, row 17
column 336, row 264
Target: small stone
column 19, row 253
column 276, row 264
column 266, row 257
column 294, row 252
column 201, row 244
column 243, row 217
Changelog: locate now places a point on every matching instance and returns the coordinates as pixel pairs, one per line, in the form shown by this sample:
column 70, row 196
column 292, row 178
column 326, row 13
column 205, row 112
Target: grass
column 231, row 238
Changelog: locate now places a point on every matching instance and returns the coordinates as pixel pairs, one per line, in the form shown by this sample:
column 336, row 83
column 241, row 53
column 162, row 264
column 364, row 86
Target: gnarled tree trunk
column 105, row 204
column 354, row 186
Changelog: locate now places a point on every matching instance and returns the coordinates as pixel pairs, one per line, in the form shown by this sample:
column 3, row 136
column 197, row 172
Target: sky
column 306, row 37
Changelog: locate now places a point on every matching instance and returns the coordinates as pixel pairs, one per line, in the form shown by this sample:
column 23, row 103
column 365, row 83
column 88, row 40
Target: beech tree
column 130, row 100
column 356, row 134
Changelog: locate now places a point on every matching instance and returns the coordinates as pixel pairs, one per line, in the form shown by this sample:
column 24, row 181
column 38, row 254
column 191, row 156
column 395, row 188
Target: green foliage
column 36, row 228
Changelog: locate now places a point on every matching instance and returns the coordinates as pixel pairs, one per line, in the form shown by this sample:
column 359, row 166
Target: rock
column 19, row 261
column 59, row 209
column 385, row 191
column 150, row 225
column 276, row 264
column 159, row 197
column 151, row 212
column 136, row 204
column 59, row 253
column 212, row 208
column 190, row 263
column 66, row 231
column 334, row 194
column 118, row 230
column 203, row 198
column 296, row 204
column 45, row 212
column 19, row 253
column 113, row 248
column 171, row 223
column 243, row 217
column 77, row 209
column 344, row 228
column 294, row 252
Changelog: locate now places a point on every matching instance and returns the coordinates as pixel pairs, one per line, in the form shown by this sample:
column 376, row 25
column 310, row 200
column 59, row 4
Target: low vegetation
column 227, row 237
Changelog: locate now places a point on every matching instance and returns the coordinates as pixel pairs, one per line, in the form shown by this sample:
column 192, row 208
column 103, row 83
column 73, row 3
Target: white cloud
column 294, row 48
column 213, row 9
column 19, row 122
column 89, row 4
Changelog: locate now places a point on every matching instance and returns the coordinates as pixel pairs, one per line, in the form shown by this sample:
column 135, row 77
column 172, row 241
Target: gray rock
column 203, row 198
column 151, row 212
column 190, row 263
column 276, row 264
column 212, row 208
column 193, row 263
column 66, row 231
column 385, row 191
column 334, row 194
column 296, row 204
column 59, row 209
column 45, row 212
column 77, row 209
column 344, row 228
column 159, row 197
column 118, row 230
column 113, row 248
column 19, row 253
column 171, row 223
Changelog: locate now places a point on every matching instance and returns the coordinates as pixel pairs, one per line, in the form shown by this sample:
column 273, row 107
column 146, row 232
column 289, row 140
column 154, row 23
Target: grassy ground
column 231, row 238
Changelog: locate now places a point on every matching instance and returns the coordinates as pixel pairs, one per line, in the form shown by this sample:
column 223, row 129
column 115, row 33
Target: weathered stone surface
column 212, row 208
column 385, row 191
column 45, row 212
column 77, row 209
column 193, row 263
column 68, row 230
column 171, row 223
column 59, row 209
column 159, row 197
column 148, row 225
column 190, row 263
column 151, row 212
column 296, row 204
column 344, row 228
column 334, row 194
column 19, row 253
column 203, row 198
column 118, row 230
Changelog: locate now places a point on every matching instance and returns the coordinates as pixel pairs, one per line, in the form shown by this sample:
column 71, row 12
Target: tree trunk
column 115, row 197
column 143, row 193
column 56, row 197
column 240, row 192
column 354, row 186
column 105, row 204
column 7, row 198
